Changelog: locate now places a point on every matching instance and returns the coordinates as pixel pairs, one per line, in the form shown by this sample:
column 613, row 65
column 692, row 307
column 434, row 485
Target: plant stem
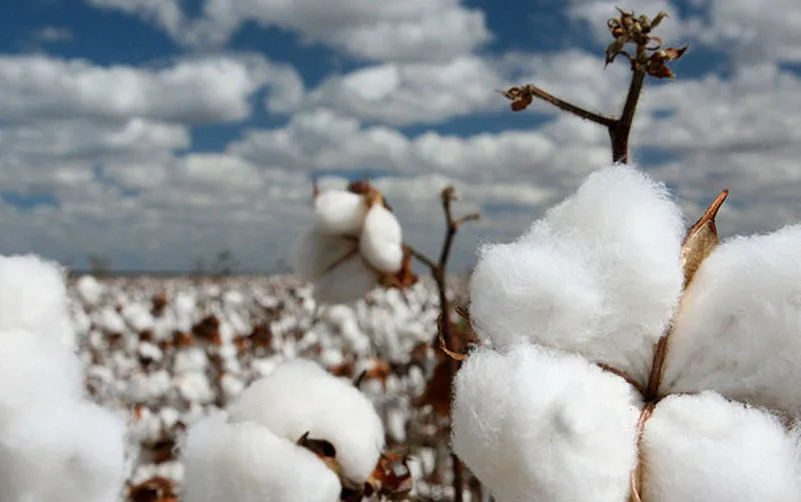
column 621, row 130
column 585, row 114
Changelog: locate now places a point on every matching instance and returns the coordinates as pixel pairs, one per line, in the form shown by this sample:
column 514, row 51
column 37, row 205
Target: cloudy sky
column 158, row 131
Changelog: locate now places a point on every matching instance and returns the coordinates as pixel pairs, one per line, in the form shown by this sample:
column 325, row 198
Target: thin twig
column 563, row 105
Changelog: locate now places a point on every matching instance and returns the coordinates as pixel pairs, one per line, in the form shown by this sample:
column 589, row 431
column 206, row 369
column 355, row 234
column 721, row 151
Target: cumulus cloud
column 376, row 30
column 194, row 91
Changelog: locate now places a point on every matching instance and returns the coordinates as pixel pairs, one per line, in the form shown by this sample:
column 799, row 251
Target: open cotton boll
column 63, row 451
column 299, row 396
column 33, row 297
column 381, row 240
column 315, row 253
column 541, row 425
column 349, row 281
column 245, row 462
column 738, row 331
column 339, row 212
column 703, row 447
column 90, row 289
column 599, row 275
column 34, row 370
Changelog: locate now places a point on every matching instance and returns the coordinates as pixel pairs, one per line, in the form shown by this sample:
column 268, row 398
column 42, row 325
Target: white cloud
column 751, row 32
column 194, row 91
column 413, row 93
column 375, row 30
column 50, row 34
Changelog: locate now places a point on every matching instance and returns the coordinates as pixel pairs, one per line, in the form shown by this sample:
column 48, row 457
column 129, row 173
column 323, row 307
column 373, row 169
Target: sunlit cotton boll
column 299, row 396
column 542, row 425
column 703, row 447
column 33, row 297
column 738, row 331
column 600, row 275
column 246, row 462
column 90, row 289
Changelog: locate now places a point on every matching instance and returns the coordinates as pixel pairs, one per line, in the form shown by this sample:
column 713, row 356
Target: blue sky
column 156, row 133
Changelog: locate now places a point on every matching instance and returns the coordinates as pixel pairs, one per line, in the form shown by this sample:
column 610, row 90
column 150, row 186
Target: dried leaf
column 701, row 239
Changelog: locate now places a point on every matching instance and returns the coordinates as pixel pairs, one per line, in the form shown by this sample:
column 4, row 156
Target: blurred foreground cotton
column 55, row 446
column 570, row 315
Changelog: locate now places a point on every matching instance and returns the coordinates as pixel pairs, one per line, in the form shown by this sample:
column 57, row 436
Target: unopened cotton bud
column 339, row 212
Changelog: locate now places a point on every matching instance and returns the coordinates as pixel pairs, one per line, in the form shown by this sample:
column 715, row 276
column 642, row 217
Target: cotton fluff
column 542, row 425
column 339, row 212
column 90, row 289
column 381, row 242
column 62, row 451
column 599, row 275
column 355, row 239
column 34, row 369
column 702, row 447
column 299, row 396
column 738, row 331
column 245, row 462
column 33, row 297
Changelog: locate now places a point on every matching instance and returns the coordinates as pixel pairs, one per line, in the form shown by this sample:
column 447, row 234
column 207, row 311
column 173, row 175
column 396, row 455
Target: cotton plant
column 55, row 445
column 623, row 357
column 299, row 433
column 356, row 242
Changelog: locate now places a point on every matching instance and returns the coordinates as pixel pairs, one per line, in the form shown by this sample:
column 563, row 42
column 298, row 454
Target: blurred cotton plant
column 624, row 358
column 356, row 243
column 298, row 434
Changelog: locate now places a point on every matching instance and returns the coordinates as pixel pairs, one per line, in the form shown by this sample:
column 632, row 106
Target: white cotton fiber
column 381, row 240
column 299, row 396
column 536, row 424
column 245, row 462
column 599, row 275
column 349, row 281
column 705, row 448
column 90, row 289
column 33, row 370
column 339, row 212
column 739, row 328
column 63, row 451
column 315, row 253
column 33, row 297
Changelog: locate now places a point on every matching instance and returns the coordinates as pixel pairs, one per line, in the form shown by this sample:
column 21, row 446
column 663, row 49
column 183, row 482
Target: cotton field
column 163, row 356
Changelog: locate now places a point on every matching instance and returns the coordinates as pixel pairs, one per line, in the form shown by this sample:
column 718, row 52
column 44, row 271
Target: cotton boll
column 110, row 321
column 33, row 297
column 34, row 369
column 194, row 386
column 90, row 289
column 541, row 425
column 190, row 359
column 339, row 212
column 316, row 253
column 599, row 275
column 63, row 451
column 381, row 240
column 299, row 396
column 349, row 281
column 738, row 328
column 245, row 462
column 138, row 317
column 703, row 447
